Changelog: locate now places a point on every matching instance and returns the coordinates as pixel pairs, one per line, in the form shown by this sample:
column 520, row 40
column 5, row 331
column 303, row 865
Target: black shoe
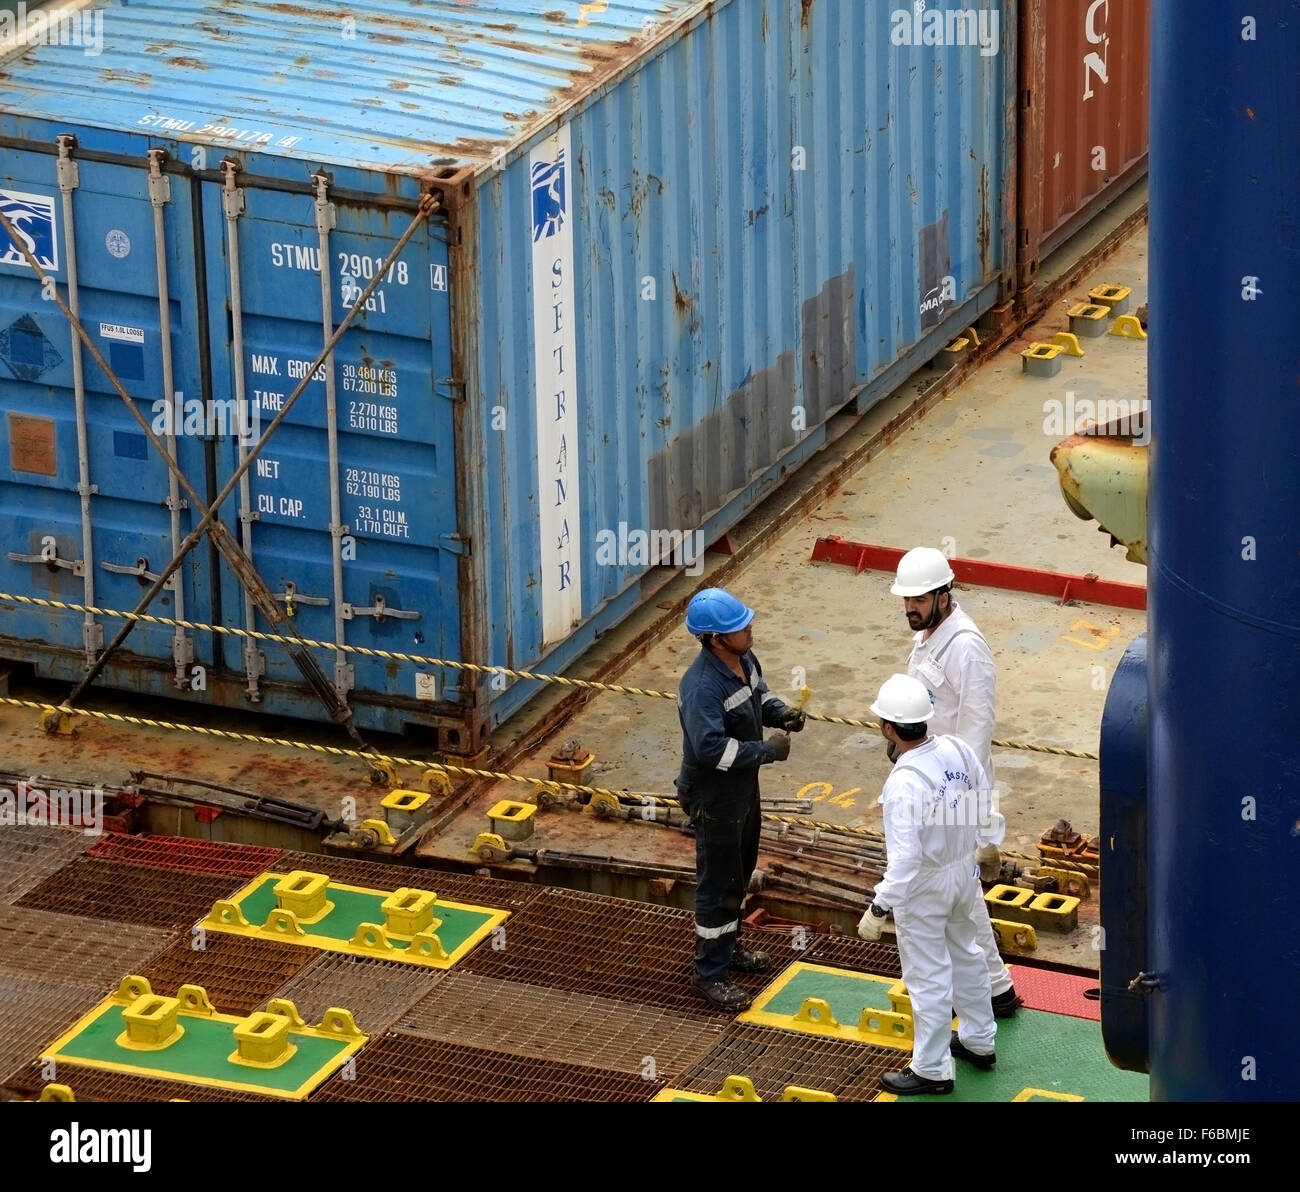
column 722, row 995
column 907, row 1082
column 1005, row 1004
column 962, row 1052
column 745, row 960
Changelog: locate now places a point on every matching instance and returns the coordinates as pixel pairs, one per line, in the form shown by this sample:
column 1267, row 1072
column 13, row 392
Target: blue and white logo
column 32, row 218
column 550, row 197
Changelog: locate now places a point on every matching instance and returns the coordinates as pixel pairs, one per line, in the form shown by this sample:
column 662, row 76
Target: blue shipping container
column 670, row 241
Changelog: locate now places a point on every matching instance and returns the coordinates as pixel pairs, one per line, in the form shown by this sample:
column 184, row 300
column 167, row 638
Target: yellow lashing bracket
column 1015, row 935
column 1128, row 327
column 738, row 1089
column 381, row 829
column 58, row 722
column 1068, row 342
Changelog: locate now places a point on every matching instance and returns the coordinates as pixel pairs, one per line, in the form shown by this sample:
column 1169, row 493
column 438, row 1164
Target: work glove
column 872, row 925
column 989, row 860
column 780, row 743
column 793, row 720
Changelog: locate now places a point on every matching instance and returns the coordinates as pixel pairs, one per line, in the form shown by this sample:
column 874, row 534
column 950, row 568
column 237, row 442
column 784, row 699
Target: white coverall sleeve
column 991, row 827
column 902, row 842
column 976, row 684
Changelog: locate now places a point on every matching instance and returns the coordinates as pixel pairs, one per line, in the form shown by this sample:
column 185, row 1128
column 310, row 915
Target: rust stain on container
column 31, row 445
column 805, row 16
column 1083, row 127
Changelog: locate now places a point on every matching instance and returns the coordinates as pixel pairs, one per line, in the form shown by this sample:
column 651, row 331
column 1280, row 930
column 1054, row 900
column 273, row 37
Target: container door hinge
column 254, row 669
column 454, row 543
column 69, row 178
column 76, row 566
column 141, row 572
column 160, row 186
column 232, row 197
column 92, row 637
column 380, row 611
column 345, row 676
column 325, row 213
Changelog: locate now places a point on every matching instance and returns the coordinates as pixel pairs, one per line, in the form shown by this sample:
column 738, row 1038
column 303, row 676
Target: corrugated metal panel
column 741, row 239
column 1085, row 82
column 394, row 85
column 760, row 214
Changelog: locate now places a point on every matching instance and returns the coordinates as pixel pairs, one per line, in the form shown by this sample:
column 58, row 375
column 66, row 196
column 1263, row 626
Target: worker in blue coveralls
column 723, row 705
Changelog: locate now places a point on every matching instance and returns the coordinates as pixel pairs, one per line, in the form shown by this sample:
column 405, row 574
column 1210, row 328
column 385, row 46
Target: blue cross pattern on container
column 32, row 217
column 550, row 198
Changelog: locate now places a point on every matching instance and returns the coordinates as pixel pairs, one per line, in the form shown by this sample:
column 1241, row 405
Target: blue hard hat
column 716, row 611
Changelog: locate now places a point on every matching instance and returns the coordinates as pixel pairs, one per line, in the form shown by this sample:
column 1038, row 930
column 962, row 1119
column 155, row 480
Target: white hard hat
column 922, row 570
column 903, row 700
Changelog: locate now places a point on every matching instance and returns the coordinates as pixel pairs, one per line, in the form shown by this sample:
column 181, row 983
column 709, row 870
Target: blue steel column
column 1224, row 564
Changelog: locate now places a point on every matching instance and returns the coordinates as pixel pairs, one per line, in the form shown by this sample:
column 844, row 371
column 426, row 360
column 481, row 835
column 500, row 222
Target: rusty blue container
column 670, row 241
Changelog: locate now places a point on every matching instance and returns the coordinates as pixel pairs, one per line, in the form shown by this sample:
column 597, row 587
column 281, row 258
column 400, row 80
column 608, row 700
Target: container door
column 89, row 513
column 349, row 512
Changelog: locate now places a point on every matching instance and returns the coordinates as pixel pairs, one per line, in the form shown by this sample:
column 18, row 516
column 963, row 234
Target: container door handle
column 141, row 572
column 76, row 566
column 379, row 611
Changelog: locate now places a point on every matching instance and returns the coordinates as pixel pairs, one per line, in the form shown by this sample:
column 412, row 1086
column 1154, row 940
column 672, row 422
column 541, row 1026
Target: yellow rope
column 424, row 660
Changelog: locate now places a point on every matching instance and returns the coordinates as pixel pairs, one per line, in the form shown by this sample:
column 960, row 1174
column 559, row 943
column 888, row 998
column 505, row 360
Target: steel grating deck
column 129, row 893
column 377, row 992
column 563, row 1027
column 239, row 974
column 28, row 855
column 34, row 1012
column 69, row 950
column 774, row 1059
column 455, row 887
column 605, row 947
column 94, row 1084
column 406, row 1068
column 185, row 854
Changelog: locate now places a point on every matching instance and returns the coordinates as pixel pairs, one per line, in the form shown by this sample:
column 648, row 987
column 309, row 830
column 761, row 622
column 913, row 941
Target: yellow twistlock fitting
column 886, row 1024
column 1128, row 327
column 225, row 913
column 1015, row 935
column 281, row 922
column 1088, row 318
column 402, row 808
column 817, row 1011
column 56, row 1092
column 262, row 1041
column 900, row 1001
column 338, row 1021
column 1068, row 342
column 59, row 723
column 371, row 937
column 436, row 782
column 1114, row 297
column 1008, row 896
column 286, row 1009
column 738, row 1088
column 794, row 1093
column 408, row 911
column 381, row 830
column 305, row 894
column 428, row 946
column 151, row 1023
column 512, row 820
column 194, row 1000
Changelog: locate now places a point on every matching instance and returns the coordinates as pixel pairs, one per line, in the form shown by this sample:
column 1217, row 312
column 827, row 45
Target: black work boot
column 745, row 960
column 907, row 1082
column 1005, row 1004
column 726, row 996
column 962, row 1052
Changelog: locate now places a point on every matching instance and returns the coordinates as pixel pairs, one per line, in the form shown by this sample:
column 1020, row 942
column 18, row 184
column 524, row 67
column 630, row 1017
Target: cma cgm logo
column 32, row 218
column 549, row 197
